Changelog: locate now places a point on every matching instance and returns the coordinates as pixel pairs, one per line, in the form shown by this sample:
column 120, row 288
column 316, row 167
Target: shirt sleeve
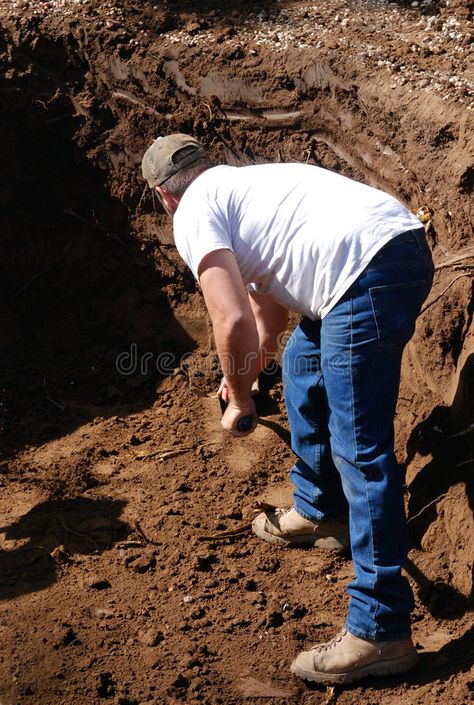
column 199, row 229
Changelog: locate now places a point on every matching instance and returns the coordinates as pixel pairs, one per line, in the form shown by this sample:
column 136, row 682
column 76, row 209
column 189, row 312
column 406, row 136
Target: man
column 353, row 261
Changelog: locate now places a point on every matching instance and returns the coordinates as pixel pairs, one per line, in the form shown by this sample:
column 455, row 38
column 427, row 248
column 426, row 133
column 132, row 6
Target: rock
column 150, row 637
column 198, row 613
column 97, row 582
column 193, row 27
column 236, row 52
column 204, row 561
column 143, row 563
column 61, row 556
column 102, row 612
column 235, row 575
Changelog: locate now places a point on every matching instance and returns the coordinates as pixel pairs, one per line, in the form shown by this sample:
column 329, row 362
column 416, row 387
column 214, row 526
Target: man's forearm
column 237, row 343
column 268, row 349
column 271, row 321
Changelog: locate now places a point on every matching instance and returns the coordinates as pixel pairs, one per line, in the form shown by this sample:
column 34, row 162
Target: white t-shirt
column 300, row 233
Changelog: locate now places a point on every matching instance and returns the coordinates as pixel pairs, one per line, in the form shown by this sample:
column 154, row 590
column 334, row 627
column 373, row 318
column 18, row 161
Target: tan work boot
column 287, row 527
column 346, row 658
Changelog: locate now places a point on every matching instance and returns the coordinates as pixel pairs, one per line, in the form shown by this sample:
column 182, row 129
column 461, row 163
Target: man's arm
column 235, row 332
column 271, row 320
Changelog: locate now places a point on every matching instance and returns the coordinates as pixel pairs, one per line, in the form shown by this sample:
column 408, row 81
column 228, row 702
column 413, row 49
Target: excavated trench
column 78, row 292
column 87, row 274
column 76, row 289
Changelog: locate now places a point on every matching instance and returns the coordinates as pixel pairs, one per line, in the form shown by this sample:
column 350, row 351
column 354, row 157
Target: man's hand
column 224, row 393
column 236, row 411
column 245, row 330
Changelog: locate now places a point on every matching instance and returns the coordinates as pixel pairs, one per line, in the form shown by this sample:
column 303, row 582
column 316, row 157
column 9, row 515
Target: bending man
column 266, row 239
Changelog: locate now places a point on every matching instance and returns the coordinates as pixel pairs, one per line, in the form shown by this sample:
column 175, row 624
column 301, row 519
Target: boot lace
column 281, row 511
column 330, row 644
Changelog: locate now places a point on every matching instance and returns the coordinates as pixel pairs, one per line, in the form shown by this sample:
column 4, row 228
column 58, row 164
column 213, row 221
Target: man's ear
column 170, row 201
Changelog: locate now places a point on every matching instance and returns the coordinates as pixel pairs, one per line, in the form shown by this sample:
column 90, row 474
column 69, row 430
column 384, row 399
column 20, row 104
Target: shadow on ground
column 55, row 533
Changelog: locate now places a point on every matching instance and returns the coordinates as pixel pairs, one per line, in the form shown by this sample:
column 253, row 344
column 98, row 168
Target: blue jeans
column 341, row 377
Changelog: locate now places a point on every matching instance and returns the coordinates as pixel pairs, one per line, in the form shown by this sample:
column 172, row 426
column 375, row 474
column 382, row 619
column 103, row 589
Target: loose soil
column 128, row 572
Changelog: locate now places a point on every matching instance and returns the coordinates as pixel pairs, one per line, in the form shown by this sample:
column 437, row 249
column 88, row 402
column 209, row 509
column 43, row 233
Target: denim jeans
column 341, row 378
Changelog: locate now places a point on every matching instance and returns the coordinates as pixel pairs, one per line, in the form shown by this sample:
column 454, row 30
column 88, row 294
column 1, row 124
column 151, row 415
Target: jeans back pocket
column 395, row 308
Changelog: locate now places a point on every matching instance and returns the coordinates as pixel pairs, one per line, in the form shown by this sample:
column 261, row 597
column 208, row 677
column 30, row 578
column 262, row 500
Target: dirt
column 128, row 572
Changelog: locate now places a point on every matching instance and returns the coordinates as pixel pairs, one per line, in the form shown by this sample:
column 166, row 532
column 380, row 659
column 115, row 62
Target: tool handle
column 245, row 423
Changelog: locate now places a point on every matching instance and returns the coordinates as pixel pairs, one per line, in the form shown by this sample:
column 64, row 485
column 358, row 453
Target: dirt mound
column 129, row 574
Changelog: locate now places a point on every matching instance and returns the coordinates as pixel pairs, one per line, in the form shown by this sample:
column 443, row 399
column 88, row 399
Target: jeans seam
column 372, row 548
column 317, row 463
column 356, row 449
column 375, row 317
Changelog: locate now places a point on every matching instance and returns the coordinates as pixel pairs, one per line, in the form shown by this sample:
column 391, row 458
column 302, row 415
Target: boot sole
column 329, row 543
column 378, row 668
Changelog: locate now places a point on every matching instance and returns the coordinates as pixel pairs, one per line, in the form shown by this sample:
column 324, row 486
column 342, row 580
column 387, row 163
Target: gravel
column 366, row 29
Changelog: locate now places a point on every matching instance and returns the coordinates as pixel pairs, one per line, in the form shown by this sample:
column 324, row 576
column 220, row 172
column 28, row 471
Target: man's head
column 171, row 164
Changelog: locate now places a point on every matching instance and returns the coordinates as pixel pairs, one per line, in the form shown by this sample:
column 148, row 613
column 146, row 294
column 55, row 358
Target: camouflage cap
column 162, row 160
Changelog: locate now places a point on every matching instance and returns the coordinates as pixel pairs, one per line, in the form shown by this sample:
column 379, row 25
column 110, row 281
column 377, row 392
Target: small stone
column 193, row 27
column 143, row 564
column 61, row 556
column 235, row 575
column 97, row 582
column 150, row 637
column 330, row 578
column 204, row 561
column 102, row 612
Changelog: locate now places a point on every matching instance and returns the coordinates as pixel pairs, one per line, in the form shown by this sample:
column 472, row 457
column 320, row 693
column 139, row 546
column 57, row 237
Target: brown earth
column 119, row 579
